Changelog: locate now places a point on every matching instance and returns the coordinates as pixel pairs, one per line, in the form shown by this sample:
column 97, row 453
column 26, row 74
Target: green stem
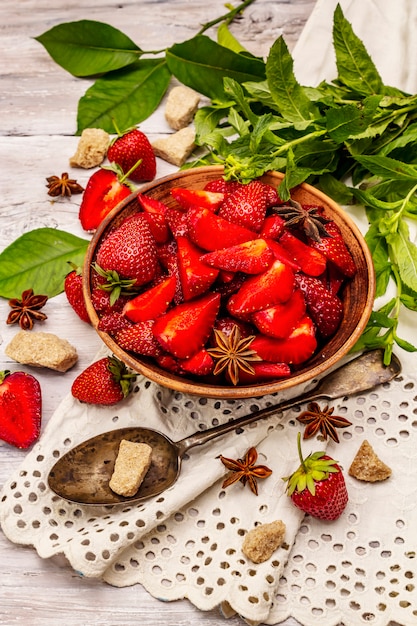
column 227, row 17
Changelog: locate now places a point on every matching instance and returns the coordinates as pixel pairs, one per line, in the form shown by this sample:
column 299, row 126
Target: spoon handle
column 363, row 373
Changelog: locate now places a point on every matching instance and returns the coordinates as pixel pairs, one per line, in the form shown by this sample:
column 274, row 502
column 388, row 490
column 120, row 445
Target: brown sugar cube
column 132, row 463
column 261, row 542
column 91, row 149
column 39, row 349
column 182, row 103
column 367, row 466
column 177, row 147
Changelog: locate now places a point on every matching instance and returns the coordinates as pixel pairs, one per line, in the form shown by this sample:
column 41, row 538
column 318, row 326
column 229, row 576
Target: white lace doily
column 186, row 543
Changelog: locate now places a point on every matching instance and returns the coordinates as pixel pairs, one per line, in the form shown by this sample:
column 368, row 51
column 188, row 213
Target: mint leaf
column 39, row 260
column 354, row 65
column 290, row 98
column 405, row 254
column 125, row 97
column 201, row 63
column 348, row 121
column 386, row 167
column 88, row 48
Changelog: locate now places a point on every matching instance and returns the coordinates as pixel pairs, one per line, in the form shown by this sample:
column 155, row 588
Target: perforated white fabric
column 187, row 542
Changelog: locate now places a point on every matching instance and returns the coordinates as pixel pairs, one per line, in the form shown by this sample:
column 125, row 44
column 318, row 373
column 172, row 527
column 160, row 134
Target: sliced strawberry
column 261, row 291
column 102, row 193
column 139, row 338
column 264, row 371
column 169, row 363
column 185, row 328
column 225, row 324
column 272, row 227
column 250, row 257
column 196, row 277
column 294, row 350
column 311, row 261
column 335, row 250
column 325, row 308
column 211, row 232
column 280, row 320
column 200, row 364
column 282, row 255
column 188, row 198
column 155, row 212
column 246, row 206
column 219, row 185
column 20, row 408
column 151, row 303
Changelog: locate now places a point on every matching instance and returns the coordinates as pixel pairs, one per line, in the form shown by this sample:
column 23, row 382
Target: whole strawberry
column 318, row 487
column 127, row 149
column 106, row 381
column 130, row 250
column 20, row 408
column 73, row 287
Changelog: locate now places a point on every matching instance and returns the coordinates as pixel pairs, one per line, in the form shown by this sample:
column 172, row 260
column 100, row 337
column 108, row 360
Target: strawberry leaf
column 39, row 260
column 124, row 97
column 88, row 48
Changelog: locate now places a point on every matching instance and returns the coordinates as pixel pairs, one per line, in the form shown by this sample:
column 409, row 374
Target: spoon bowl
column 82, row 475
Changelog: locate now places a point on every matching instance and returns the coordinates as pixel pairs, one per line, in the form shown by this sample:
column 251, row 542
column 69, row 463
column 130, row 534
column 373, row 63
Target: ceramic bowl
column 358, row 294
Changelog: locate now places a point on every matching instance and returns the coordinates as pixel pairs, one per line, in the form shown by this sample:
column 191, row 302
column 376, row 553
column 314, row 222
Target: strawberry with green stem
column 318, row 487
column 133, row 153
column 104, row 382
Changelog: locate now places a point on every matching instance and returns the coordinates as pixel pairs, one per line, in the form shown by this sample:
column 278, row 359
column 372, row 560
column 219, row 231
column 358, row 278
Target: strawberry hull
column 238, row 297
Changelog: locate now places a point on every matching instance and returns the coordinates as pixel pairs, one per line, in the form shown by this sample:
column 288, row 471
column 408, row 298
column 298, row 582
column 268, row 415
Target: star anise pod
column 245, row 470
column 63, row 186
column 233, row 353
column 322, row 419
column 309, row 219
column 26, row 310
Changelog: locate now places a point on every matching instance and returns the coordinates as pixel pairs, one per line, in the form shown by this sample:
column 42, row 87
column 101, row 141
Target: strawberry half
column 185, row 328
column 188, row 198
column 211, row 232
column 20, row 408
column 325, row 308
column 318, row 487
column 280, row 320
column 246, row 206
column 261, row 291
column 200, row 364
column 311, row 261
column 103, row 192
column 196, row 277
column 105, row 382
column 263, row 372
column 155, row 212
column 335, row 250
column 129, row 148
column 130, row 250
column 152, row 302
column 73, row 288
column 250, row 257
column 294, row 349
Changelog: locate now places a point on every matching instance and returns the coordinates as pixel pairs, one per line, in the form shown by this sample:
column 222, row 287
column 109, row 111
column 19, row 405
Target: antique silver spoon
column 82, row 475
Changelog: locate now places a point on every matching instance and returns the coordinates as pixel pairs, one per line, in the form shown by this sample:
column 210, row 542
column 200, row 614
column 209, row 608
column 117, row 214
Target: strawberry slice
column 139, row 338
column 185, row 328
column 103, row 192
column 325, row 308
column 311, row 261
column 152, row 302
column 273, row 227
column 196, row 277
column 246, row 206
column 282, row 255
column 250, row 257
column 155, row 212
column 219, row 185
column 279, row 320
column 335, row 250
column 188, row 198
column 258, row 292
column 177, row 222
column 264, row 371
column 20, row 408
column 211, row 232
column 200, row 364
column 294, row 350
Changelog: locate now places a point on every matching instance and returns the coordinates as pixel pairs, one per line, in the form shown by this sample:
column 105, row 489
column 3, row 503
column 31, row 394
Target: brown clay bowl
column 358, row 295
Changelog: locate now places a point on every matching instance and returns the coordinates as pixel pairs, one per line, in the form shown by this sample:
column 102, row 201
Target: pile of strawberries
column 228, row 256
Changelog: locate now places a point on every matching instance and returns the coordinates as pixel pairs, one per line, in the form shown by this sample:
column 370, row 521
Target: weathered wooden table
column 38, row 103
